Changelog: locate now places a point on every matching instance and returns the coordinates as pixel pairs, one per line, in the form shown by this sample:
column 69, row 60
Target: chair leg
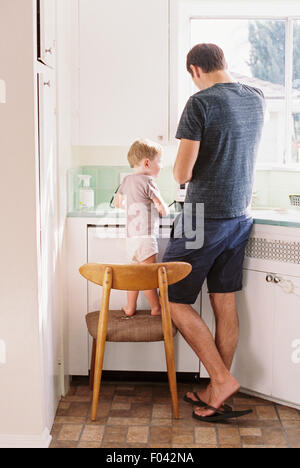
column 101, row 339
column 168, row 339
column 92, row 371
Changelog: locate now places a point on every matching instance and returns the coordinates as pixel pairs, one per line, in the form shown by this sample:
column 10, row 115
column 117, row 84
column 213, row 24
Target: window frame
column 181, row 15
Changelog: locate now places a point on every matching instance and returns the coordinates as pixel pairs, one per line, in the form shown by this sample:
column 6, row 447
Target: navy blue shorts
column 220, row 259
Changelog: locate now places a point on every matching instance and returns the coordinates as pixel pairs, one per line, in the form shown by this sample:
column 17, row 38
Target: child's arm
column 119, row 201
column 161, row 206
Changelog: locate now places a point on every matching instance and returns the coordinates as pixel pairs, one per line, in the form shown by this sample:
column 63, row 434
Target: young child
column 140, row 196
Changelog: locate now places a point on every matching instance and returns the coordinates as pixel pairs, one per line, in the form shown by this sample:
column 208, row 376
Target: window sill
column 269, row 167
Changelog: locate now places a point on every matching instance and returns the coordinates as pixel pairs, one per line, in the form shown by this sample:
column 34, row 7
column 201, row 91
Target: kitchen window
column 262, row 52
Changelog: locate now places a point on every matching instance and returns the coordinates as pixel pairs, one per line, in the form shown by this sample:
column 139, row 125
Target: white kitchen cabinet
column 123, row 89
column 267, row 360
column 46, row 37
column 286, row 342
column 48, row 208
column 252, row 365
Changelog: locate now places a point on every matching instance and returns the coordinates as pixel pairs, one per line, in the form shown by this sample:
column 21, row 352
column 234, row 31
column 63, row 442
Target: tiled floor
column 140, row 415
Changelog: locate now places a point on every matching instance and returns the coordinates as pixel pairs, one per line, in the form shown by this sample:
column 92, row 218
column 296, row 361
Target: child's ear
column 147, row 162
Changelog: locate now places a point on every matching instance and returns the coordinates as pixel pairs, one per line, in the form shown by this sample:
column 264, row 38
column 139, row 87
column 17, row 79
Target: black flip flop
column 201, row 403
column 220, row 415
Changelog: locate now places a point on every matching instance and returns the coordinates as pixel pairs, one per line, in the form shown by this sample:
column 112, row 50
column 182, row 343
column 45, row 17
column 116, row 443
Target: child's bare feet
column 156, row 311
column 129, row 312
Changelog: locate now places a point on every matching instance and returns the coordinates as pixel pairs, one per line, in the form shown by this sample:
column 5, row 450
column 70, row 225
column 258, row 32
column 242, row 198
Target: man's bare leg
column 197, row 334
column 227, row 331
column 227, row 325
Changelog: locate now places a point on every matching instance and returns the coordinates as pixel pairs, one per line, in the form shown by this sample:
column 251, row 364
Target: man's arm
column 186, row 157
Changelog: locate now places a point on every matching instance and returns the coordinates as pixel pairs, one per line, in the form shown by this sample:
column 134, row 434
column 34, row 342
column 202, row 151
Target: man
column 220, row 130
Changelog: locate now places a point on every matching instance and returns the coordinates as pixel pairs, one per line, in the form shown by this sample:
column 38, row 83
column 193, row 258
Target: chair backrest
column 136, row 277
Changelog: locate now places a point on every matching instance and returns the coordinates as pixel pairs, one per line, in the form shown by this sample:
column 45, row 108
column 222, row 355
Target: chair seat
column 141, row 327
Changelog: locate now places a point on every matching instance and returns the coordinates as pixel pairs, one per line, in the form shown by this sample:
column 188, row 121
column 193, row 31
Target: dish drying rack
column 295, row 200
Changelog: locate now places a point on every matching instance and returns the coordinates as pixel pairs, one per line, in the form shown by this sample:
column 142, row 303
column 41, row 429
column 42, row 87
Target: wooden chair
column 101, row 326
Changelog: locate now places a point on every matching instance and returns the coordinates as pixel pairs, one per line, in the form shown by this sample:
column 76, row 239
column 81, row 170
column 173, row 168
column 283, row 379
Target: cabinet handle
column 47, row 83
column 277, row 280
column 269, row 278
column 48, row 51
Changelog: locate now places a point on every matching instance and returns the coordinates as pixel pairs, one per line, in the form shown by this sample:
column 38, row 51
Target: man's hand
column 186, row 157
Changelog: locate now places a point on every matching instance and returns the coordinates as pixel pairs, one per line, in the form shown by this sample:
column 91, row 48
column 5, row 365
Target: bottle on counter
column 86, row 193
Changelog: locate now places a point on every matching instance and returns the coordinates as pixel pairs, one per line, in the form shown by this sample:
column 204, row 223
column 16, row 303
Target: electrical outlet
column 2, row 352
column 2, row 92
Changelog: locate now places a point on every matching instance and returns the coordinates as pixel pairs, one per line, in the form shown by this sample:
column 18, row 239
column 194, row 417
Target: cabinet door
column 123, row 71
column 46, row 31
column 132, row 356
column 286, row 343
column 252, row 365
column 48, row 277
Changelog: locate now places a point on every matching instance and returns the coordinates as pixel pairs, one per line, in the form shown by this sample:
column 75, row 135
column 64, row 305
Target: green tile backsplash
column 106, row 179
column 271, row 188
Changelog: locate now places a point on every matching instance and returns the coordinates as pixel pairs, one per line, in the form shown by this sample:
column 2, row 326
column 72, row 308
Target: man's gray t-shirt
column 227, row 119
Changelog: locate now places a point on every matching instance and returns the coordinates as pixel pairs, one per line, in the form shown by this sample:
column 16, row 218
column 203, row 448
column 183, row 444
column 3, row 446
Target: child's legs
column 151, row 294
column 132, row 297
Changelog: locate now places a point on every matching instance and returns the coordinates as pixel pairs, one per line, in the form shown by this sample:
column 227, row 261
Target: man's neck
column 216, row 77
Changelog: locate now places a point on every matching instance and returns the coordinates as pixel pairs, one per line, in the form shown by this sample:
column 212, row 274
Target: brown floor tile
column 56, row 429
column 290, row 424
column 161, row 411
column 159, row 445
column 63, row 408
column 137, row 434
column 182, row 436
column 205, row 435
column 229, row 436
column 250, row 432
column 274, row 437
column 293, row 436
column 88, row 444
column 92, row 434
column 286, row 413
column 70, row 432
column 63, row 444
column 140, row 410
column 70, row 420
column 119, row 414
column 266, row 412
column 252, row 440
column 115, row 434
column 121, row 406
column 161, row 422
column 160, row 434
column 84, row 391
column 103, row 409
column 112, row 421
column 113, row 445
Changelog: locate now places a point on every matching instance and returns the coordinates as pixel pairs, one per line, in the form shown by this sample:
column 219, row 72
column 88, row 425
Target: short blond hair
column 143, row 149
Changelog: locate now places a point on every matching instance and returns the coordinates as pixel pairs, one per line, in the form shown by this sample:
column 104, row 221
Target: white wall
column 21, row 411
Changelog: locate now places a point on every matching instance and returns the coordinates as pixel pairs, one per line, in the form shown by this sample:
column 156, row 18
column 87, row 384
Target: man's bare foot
column 156, row 311
column 219, row 393
column 128, row 312
column 203, row 394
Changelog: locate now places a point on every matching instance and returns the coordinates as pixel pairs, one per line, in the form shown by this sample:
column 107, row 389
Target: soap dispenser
column 86, row 193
